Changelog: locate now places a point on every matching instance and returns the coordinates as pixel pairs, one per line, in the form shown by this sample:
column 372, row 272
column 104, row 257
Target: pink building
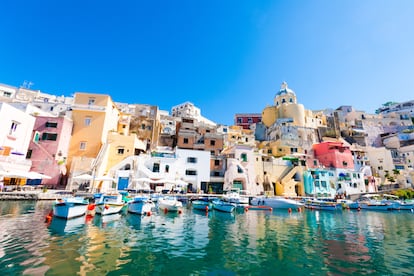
column 333, row 155
column 48, row 149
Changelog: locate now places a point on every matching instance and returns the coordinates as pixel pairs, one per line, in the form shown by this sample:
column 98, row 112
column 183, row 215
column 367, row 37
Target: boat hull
column 140, row 206
column 170, row 205
column 68, row 208
column 201, row 205
column 276, row 202
column 108, row 208
column 224, row 206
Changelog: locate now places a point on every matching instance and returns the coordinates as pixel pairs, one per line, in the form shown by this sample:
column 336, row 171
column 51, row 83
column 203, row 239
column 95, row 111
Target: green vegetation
column 404, row 193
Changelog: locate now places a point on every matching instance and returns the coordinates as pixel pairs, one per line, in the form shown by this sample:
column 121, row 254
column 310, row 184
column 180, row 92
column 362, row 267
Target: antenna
column 27, row 84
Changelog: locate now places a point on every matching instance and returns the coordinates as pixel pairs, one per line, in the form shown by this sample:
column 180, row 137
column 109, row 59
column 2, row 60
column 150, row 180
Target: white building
column 16, row 128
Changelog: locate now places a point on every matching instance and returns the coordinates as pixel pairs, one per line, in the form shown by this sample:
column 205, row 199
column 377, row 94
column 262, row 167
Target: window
column 216, row 162
column 156, row 167
column 191, row 160
column 120, row 151
column 243, row 157
column 167, row 168
column 13, row 127
column 212, row 152
column 190, row 172
column 239, row 120
column 212, row 142
column 88, row 121
column 29, row 154
column 323, row 183
column 91, row 101
column 250, row 120
column 49, row 136
column 185, row 140
column 7, row 94
column 82, row 146
column 51, row 124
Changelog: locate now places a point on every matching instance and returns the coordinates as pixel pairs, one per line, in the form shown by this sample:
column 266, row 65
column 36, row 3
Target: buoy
column 299, row 210
column 359, row 208
column 165, row 210
column 149, row 213
column 91, row 207
column 246, row 209
column 206, row 208
column 180, row 211
column 290, row 210
column 106, row 207
column 49, row 216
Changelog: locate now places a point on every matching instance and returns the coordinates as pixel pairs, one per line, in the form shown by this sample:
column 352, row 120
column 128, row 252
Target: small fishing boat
column 109, row 204
column 259, row 208
column 70, row 207
column 223, row 206
column 319, row 204
column 201, row 203
column 170, row 204
column 141, row 205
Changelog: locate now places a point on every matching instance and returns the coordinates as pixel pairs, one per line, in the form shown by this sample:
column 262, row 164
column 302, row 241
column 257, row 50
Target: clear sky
column 224, row 56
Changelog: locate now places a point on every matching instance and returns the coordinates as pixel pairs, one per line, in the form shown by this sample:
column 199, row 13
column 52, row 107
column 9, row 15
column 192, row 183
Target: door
column 123, row 183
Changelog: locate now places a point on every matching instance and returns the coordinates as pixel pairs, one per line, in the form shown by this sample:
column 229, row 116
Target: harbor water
column 255, row 242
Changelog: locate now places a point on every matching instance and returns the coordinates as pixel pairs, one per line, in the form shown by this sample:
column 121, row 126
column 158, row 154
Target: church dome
column 285, row 95
column 284, row 90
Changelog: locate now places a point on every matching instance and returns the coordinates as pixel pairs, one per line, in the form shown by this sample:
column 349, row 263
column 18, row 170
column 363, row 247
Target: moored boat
column 276, row 202
column 223, row 206
column 201, row 203
column 170, row 204
column 319, row 204
column 70, row 207
column 109, row 204
column 140, row 205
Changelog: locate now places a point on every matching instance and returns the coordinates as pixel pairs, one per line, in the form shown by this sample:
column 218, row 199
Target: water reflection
column 62, row 226
column 200, row 243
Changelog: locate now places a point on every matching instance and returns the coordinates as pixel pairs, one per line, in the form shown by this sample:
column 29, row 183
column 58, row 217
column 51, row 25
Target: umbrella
column 83, row 177
column 104, row 178
column 36, row 175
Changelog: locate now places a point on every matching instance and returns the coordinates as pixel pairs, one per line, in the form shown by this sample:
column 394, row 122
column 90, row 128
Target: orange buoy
column 91, row 207
column 299, row 210
column 290, row 210
column 149, row 213
column 180, row 211
column 206, row 208
column 49, row 216
column 165, row 210
column 246, row 209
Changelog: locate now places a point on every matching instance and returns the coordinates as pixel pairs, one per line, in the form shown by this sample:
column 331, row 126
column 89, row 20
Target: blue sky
column 226, row 57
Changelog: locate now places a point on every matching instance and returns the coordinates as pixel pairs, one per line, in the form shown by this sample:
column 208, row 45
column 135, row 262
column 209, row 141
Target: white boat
column 276, row 202
column 140, row 205
column 170, row 204
column 70, row 207
column 109, row 204
column 223, row 206
column 234, row 196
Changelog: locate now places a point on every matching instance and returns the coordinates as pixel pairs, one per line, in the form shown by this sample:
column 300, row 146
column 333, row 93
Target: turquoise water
column 195, row 243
